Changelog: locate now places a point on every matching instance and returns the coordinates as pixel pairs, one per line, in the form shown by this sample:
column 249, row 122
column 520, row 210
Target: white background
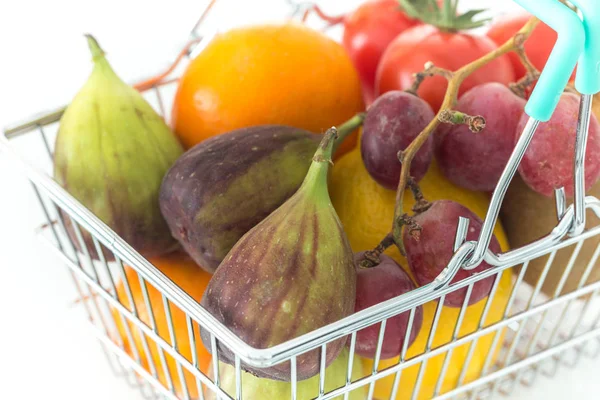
column 45, row 348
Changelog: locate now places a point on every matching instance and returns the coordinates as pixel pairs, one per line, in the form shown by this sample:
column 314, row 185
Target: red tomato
column 409, row 52
column 367, row 33
column 538, row 46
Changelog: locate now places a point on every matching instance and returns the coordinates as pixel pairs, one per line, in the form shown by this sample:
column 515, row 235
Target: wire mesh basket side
column 150, row 327
column 506, row 349
column 513, row 342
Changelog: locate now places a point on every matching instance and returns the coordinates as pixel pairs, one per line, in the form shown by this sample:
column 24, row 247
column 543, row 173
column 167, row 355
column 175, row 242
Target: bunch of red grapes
column 387, row 47
column 470, row 160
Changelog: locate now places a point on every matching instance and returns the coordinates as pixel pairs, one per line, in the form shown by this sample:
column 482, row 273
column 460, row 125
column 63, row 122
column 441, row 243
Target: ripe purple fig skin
column 289, row 275
column 221, row 188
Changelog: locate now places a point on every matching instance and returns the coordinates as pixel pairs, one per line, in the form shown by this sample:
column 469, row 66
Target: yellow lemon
column 366, row 210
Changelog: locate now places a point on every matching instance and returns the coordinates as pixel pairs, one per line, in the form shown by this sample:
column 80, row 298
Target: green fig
column 112, row 152
column 289, row 275
column 262, row 388
column 221, row 188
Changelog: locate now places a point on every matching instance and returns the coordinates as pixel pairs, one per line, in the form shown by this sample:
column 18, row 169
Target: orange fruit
column 366, row 211
column 269, row 74
column 185, row 273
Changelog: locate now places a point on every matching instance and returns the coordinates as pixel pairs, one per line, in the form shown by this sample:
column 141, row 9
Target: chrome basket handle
column 587, row 83
column 541, row 105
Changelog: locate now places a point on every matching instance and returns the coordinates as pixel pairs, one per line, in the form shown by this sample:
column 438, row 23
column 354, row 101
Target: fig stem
column 95, row 48
column 345, row 129
column 450, row 99
column 325, row 149
column 316, row 177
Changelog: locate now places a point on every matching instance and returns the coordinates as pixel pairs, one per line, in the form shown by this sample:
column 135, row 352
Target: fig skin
column 266, row 389
column 112, row 152
column 223, row 187
column 289, row 275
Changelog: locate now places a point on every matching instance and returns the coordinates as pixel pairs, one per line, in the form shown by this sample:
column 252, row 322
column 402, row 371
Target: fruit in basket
column 523, row 204
column 596, row 106
column 537, row 47
column 366, row 211
column 475, row 161
column 444, row 42
column 276, row 282
column 368, row 31
column 392, row 123
column 430, row 249
column 268, row 389
column 548, row 161
column 112, row 151
column 373, row 286
column 221, row 188
column 443, row 335
column 184, row 272
column 284, row 74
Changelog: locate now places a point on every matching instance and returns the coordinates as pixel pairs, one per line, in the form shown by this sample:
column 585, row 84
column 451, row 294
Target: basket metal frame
column 86, row 274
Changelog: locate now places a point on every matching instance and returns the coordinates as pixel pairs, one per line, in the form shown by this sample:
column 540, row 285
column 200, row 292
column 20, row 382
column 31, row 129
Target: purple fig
column 289, row 275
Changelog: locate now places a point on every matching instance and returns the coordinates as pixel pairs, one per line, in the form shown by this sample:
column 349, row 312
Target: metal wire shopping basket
column 533, row 334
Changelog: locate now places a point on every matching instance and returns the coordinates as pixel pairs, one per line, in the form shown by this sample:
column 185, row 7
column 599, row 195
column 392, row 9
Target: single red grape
column 373, row 286
column 429, row 253
column 548, row 161
column 391, row 124
column 475, row 161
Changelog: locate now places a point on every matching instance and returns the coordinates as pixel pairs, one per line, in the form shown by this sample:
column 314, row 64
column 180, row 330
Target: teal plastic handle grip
column 561, row 63
column 588, row 70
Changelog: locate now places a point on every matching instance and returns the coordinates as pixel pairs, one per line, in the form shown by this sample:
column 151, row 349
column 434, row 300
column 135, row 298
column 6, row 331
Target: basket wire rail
column 513, row 342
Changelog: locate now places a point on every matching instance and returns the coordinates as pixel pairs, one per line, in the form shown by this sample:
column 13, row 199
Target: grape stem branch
column 455, row 79
column 520, row 87
column 476, row 123
column 421, row 204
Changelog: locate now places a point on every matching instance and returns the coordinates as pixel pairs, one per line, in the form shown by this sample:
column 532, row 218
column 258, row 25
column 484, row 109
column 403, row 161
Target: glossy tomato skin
column 410, row 50
column 538, row 47
column 367, row 33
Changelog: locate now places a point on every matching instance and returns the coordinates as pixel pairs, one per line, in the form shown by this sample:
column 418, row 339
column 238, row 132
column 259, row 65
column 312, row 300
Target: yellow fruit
column 366, row 211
